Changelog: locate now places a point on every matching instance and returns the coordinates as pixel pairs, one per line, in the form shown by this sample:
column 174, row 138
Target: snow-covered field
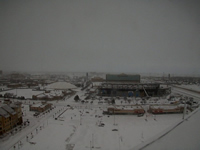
column 194, row 87
column 27, row 93
column 83, row 132
column 183, row 136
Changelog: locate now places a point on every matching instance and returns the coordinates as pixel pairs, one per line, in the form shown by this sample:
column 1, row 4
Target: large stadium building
column 130, row 86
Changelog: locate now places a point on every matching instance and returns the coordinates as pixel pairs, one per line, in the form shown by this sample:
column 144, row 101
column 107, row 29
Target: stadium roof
column 61, row 86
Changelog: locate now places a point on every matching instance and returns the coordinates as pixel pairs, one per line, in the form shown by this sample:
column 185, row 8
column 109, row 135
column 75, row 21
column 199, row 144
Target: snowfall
column 75, row 126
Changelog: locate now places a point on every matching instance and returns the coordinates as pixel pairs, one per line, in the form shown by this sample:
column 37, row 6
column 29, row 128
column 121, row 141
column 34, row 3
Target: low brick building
column 166, row 109
column 41, row 107
column 125, row 110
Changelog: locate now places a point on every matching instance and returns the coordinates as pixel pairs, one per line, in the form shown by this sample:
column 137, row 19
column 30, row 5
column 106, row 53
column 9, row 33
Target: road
column 10, row 141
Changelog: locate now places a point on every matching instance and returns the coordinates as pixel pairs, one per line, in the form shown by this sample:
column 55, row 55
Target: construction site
column 130, row 86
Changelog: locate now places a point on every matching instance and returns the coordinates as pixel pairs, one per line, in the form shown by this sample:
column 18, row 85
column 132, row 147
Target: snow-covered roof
column 61, row 86
column 36, row 105
column 41, row 95
column 13, row 106
column 40, row 105
column 8, row 109
column 165, row 106
column 3, row 113
column 43, row 106
column 128, row 107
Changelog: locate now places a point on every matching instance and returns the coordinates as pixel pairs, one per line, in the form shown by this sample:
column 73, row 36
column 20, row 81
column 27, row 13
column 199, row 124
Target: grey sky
column 116, row 36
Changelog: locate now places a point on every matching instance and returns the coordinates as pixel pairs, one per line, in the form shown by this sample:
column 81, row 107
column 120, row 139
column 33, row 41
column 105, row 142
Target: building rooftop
column 123, row 77
column 8, row 109
column 4, row 113
column 36, row 105
column 61, row 86
column 165, row 106
column 128, row 107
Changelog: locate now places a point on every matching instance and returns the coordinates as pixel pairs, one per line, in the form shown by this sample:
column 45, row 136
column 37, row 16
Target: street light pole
column 80, row 121
column 184, row 111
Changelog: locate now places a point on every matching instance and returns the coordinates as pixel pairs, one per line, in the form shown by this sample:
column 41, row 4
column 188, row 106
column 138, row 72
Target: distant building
column 165, row 109
column 130, row 86
column 17, row 76
column 53, row 95
column 87, row 76
column 96, row 81
column 14, row 85
column 125, row 110
column 41, row 107
column 169, row 76
column 122, row 78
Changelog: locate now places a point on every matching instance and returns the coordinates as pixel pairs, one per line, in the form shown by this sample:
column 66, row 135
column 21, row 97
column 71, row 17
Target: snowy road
column 11, row 140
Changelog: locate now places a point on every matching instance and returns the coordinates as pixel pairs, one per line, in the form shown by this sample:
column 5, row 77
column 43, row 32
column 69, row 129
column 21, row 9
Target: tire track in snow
column 70, row 146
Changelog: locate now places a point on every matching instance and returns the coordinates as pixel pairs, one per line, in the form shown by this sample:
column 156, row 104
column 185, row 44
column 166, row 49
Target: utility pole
column 114, row 117
column 80, row 120
column 90, row 145
column 92, row 140
column 184, row 111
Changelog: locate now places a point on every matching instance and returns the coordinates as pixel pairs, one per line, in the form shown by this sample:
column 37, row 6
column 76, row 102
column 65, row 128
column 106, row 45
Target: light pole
column 184, row 111
column 80, row 120
column 92, row 140
column 114, row 118
column 16, row 92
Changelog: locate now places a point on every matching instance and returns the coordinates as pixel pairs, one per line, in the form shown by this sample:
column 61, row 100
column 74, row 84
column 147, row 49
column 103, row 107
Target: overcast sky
column 130, row 36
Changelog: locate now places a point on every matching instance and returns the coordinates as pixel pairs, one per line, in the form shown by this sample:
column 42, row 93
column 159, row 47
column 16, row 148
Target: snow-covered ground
column 194, row 87
column 3, row 88
column 83, row 131
column 183, row 136
column 80, row 127
column 27, row 93
column 183, row 92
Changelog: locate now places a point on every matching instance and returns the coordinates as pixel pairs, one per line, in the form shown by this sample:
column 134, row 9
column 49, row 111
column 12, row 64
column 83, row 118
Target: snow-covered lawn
column 83, row 132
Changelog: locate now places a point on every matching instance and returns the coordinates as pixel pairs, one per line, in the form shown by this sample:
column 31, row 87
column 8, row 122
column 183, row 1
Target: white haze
column 106, row 35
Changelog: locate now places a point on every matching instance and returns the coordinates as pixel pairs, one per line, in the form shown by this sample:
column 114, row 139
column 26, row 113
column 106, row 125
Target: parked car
column 140, row 115
column 114, row 129
column 36, row 114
